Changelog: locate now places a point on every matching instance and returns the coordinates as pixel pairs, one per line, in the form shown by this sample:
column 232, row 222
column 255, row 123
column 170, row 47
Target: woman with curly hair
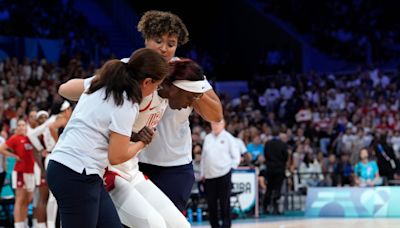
column 167, row 160
column 97, row 135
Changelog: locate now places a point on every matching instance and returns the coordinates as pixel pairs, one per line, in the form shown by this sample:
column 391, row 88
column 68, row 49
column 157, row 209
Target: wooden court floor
column 316, row 223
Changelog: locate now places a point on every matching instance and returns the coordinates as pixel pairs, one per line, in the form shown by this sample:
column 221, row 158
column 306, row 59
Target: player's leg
column 165, row 207
column 133, row 209
column 51, row 211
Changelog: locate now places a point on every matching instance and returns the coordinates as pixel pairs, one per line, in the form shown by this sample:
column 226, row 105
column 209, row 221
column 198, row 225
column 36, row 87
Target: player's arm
column 35, row 133
column 209, row 107
column 121, row 149
column 4, row 149
column 60, row 122
column 37, row 154
column 72, row 89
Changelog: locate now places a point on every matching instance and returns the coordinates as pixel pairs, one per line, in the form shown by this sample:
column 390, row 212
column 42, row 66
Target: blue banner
column 245, row 184
column 353, row 202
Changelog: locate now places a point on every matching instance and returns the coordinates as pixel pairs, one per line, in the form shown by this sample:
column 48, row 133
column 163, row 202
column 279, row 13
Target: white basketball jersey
column 151, row 109
column 48, row 139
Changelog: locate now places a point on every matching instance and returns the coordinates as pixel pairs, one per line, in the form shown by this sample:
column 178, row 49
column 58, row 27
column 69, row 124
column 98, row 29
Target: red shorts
column 109, row 179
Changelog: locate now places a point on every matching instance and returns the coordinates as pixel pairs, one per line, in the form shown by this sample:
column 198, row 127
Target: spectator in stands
column 272, row 96
column 344, row 171
column 395, row 141
column 358, row 144
column 287, row 90
column 366, row 171
column 386, row 159
column 197, row 148
column 255, row 147
column 329, row 168
column 310, row 171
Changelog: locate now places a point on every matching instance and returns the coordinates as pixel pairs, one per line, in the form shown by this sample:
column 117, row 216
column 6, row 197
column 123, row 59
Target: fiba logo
column 244, row 187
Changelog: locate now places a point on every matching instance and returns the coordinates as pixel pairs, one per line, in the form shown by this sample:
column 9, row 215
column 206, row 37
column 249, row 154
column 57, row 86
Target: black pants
column 219, row 190
column 274, row 185
column 2, row 178
column 175, row 181
column 82, row 199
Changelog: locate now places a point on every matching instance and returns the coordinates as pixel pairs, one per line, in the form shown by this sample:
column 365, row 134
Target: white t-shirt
column 84, row 143
column 151, row 109
column 220, row 154
column 242, row 147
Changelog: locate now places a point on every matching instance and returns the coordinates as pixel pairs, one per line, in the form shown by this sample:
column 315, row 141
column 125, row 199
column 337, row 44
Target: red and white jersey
column 151, row 109
column 24, row 149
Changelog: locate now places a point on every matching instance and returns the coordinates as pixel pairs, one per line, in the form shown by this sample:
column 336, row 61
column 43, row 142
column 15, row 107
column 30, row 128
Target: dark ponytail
column 119, row 78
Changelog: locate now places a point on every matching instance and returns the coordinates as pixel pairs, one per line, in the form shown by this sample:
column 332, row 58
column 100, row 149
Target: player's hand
column 17, row 158
column 145, row 135
column 44, row 153
column 135, row 137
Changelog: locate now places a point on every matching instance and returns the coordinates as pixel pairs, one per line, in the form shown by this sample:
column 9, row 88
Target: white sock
column 19, row 224
column 34, row 223
column 41, row 225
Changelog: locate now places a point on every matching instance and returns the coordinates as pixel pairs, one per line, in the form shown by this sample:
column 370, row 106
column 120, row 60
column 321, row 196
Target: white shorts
column 23, row 180
column 38, row 174
column 141, row 204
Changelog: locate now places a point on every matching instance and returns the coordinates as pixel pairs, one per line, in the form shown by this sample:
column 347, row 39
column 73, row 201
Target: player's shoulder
column 151, row 102
column 14, row 137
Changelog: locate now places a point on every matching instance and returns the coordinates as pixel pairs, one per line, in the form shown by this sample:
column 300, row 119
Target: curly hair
column 158, row 23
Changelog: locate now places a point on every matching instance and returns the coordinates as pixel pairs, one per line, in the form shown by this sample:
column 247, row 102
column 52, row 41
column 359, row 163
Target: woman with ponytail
column 98, row 134
column 139, row 202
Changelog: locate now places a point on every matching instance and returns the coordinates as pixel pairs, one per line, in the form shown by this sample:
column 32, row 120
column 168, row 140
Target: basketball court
column 302, row 222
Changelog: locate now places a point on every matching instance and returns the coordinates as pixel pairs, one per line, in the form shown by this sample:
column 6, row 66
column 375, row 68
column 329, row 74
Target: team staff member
column 138, row 201
column 276, row 156
column 220, row 155
column 98, row 134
